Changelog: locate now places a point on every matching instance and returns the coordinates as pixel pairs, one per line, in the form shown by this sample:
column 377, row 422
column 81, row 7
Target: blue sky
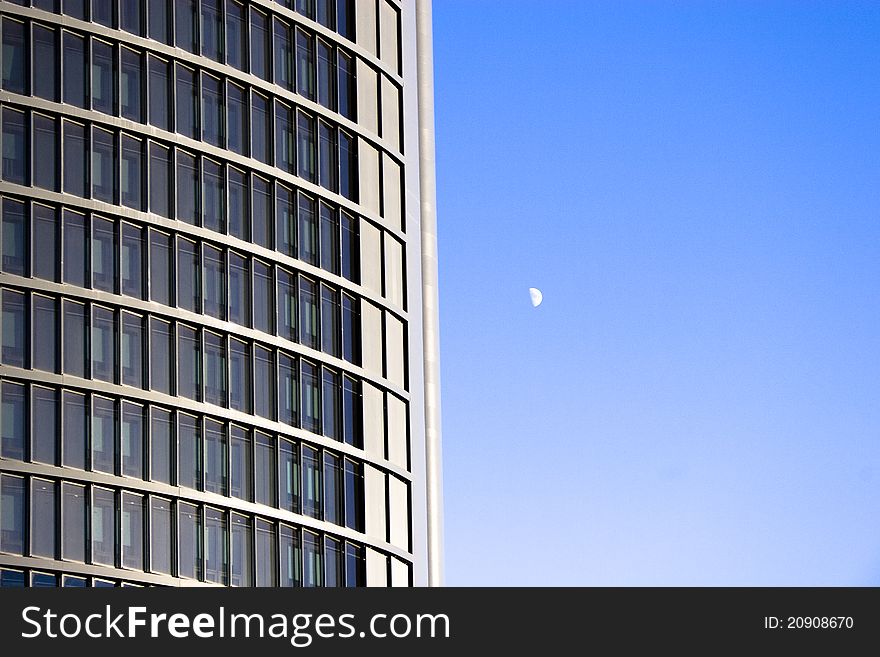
column 695, row 187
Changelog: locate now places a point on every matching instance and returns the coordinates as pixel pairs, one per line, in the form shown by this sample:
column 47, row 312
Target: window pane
column 355, row 570
column 159, row 92
column 265, row 471
column 240, row 376
column 160, row 536
column 131, row 86
column 313, row 563
column 333, row 510
column 132, row 350
column 215, row 457
column 308, row 313
column 188, row 363
column 12, row 498
column 103, row 254
column 130, row 16
column 131, row 173
column 311, row 398
column 44, row 425
column 75, row 346
column 332, row 397
column 215, row 282
column 13, row 419
column 212, row 110
column 74, row 248
column 237, row 204
column 305, row 65
column 354, row 496
column 160, row 356
column 326, row 75
column 242, row 551
column 131, row 261
column 133, row 531
column 285, row 221
column 160, row 180
column 216, row 553
column 346, row 87
column 291, row 556
column 102, row 12
column 73, row 533
column 103, row 166
column 348, row 170
column 259, row 45
column 308, row 230
column 264, row 383
column 103, row 76
column 15, row 161
column 103, row 344
column 260, row 128
column 185, row 24
column 288, row 467
column 236, row 45
column 212, row 31
column 160, row 267
column 103, row 434
column 283, row 55
column 215, row 369
column 283, row 138
column 326, row 15
column 335, row 565
column 262, row 208
column 329, row 239
column 159, row 20
column 187, row 188
column 187, row 275
column 262, row 297
column 214, row 216
column 288, row 400
column 45, row 226
column 305, row 7
column 187, row 103
column 286, row 305
column 329, row 321
column 132, row 440
column 160, row 445
column 266, row 554
column 237, row 119
column 45, row 146
column 312, row 487
column 239, row 290
column 14, row 54
column 103, row 527
column 189, row 541
column 74, row 70
column 352, row 412
column 305, row 127
column 240, row 464
column 74, row 582
column 327, row 157
column 74, row 430
column 14, row 238
column 345, row 18
column 189, row 465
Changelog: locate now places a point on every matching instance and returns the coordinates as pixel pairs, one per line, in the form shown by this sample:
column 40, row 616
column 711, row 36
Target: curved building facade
column 215, row 296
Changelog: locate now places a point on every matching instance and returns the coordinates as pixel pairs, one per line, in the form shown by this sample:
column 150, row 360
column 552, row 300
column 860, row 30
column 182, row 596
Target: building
column 219, row 329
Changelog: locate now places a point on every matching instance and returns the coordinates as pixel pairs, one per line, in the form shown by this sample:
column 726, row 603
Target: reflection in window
column 242, row 551
column 215, row 457
column 14, row 155
column 239, row 290
column 160, row 356
column 14, row 54
column 103, row 76
column 74, row 248
column 348, row 170
column 189, row 530
column 326, row 75
column 12, row 500
column 259, row 45
column 160, row 267
column 264, row 383
column 355, row 567
column 187, row 103
column 352, row 432
column 130, row 16
column 308, row 230
column 185, row 22
column 285, row 221
column 212, row 30
column 103, row 434
column 212, row 110
column 283, row 55
column 159, row 20
column 236, row 43
column 332, row 399
column 131, row 261
column 313, row 566
column 74, row 70
column 266, row 554
column 75, row 347
column 44, row 427
column 131, row 86
column 160, row 180
column 239, row 376
column 14, row 240
column 132, row 350
column 284, row 146
column 237, row 219
column 327, row 156
column 132, row 531
column 14, row 417
column 215, row 282
column 74, row 427
column 160, row 445
column 160, row 536
column 216, row 554
column 240, row 464
column 103, row 344
column 188, row 363
column 103, row 527
column 159, row 93
column 288, row 400
column 333, row 511
column 354, row 496
column 262, row 297
column 288, row 467
column 311, row 398
column 132, row 440
column 286, row 305
column 346, row 87
column 103, row 166
column 260, row 128
column 45, row 226
column 291, row 557
column 329, row 239
column 214, row 216
column 306, row 155
column 308, row 313
column 45, row 144
column 329, row 321
column 75, row 163
column 187, row 188
column 103, row 254
column 73, row 514
column 264, row 488
column 189, row 461
column 305, row 65
column 262, row 209
column 334, row 571
column 236, row 108
column 215, row 369
column 312, row 487
column 132, row 173
column 187, row 275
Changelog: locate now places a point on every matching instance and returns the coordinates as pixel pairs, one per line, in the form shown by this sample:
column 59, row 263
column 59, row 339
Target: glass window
column 187, row 115
column 69, row 581
column 305, row 64
column 187, row 275
column 75, row 345
column 130, row 16
column 267, row 557
column 242, row 551
column 333, row 491
column 103, row 344
column 160, row 356
column 15, row 162
column 262, row 209
column 305, row 127
column 133, row 531
column 311, row 398
column 283, row 138
column 160, row 267
column 236, row 119
column 283, row 55
column 265, row 471
column 348, row 170
column 308, row 230
column 312, row 487
column 260, row 128
column 236, row 43
column 189, row 530
column 74, row 427
column 215, row 457
column 212, row 29
column 188, row 363
column 102, row 12
column 45, row 239
column 237, row 215
column 131, row 86
column 44, row 425
column 288, row 399
column 14, row 57
column 12, row 512
column 240, row 463
column 288, row 467
column 326, row 75
column 264, row 383
column 74, row 62
column 185, row 22
column 291, row 556
column 14, row 418
column 160, row 536
column 355, row 570
column 352, row 413
column 103, row 254
column 332, row 399
column 73, row 513
column 103, row 76
column 216, row 552
column 131, row 261
column 103, row 527
column 132, row 440
column 187, row 188
column 327, row 157
column 329, row 239
column 160, row 445
column 214, row 216
column 326, row 15
column 189, row 462
column 74, row 248
column 103, row 166
column 132, row 350
column 160, row 180
column 313, row 566
column 239, row 290
column 346, row 88
column 329, row 321
column 212, row 110
column 308, row 313
column 160, row 79
column 103, row 434
column 286, row 305
column 334, row 574
column 285, row 221
column 45, row 145
column 132, row 173
column 259, row 44
column 215, row 369
column 215, row 282
column 354, row 496
column 240, row 376
column 262, row 297
column 345, row 18
column 305, row 7
column 14, row 238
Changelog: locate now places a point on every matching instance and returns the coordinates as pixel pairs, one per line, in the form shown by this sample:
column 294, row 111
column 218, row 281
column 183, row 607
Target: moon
column 536, row 296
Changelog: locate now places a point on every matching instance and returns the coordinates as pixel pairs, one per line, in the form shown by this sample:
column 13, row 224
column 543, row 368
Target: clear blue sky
column 695, row 187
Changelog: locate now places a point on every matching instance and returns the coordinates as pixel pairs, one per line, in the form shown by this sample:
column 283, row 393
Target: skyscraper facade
column 218, row 280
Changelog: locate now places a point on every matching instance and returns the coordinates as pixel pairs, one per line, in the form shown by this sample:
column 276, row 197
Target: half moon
column 536, row 296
